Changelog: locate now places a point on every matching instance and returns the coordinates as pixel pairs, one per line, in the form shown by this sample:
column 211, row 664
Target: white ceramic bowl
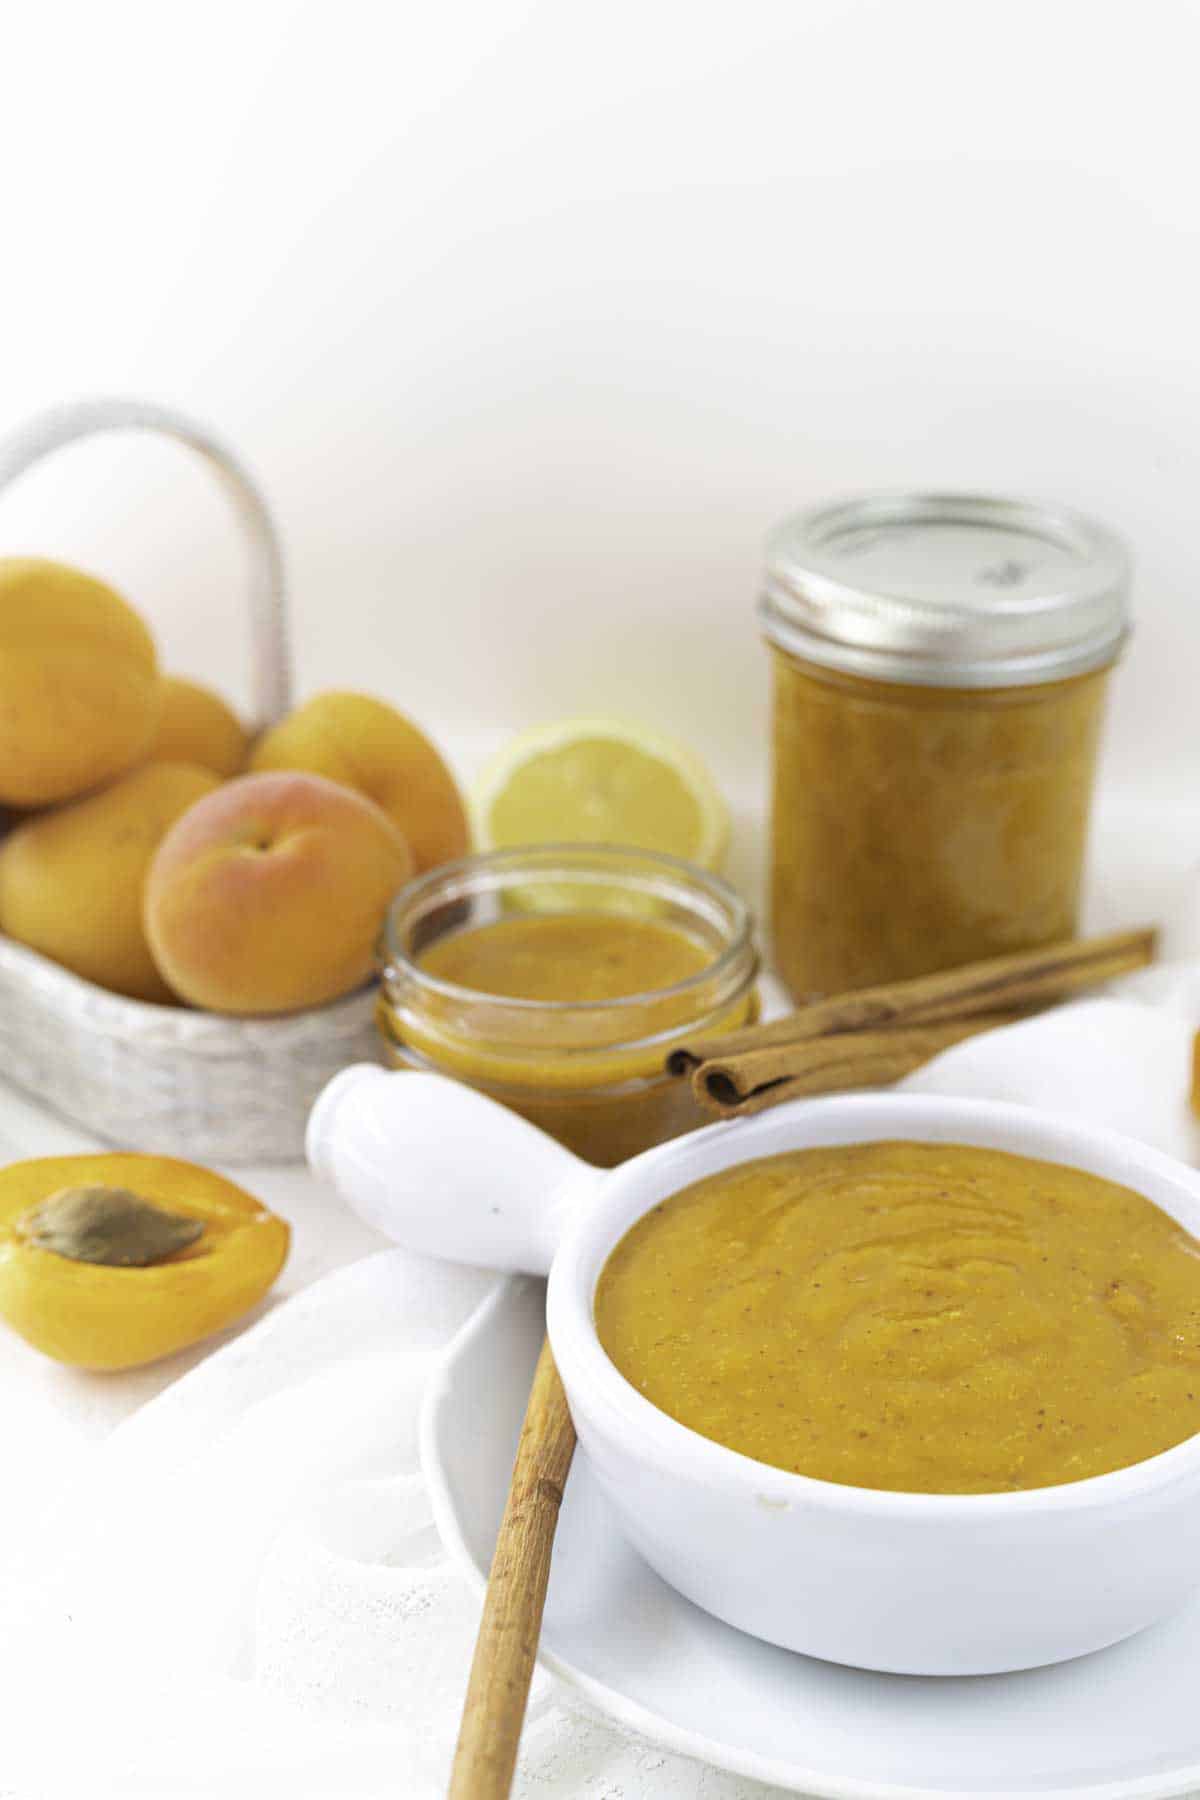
column 908, row 1583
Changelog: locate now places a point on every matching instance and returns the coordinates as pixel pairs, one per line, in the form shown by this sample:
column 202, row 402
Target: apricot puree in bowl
column 919, row 1577
column 928, row 1318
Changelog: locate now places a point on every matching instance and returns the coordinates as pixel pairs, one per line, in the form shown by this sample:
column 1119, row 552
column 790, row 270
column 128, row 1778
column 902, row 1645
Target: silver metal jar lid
column 947, row 590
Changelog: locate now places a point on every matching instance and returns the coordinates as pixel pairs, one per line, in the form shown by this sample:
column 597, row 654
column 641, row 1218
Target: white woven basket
column 164, row 1078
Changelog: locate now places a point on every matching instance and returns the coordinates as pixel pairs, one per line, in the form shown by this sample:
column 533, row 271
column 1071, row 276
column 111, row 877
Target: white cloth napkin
column 241, row 1592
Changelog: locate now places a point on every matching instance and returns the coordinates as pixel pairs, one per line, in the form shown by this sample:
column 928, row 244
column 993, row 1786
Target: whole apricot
column 370, row 747
column 71, row 880
column 79, row 685
column 268, row 895
column 196, row 726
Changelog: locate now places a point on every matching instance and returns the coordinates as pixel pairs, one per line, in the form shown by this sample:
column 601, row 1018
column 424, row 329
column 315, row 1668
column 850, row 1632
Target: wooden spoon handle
column 506, row 1648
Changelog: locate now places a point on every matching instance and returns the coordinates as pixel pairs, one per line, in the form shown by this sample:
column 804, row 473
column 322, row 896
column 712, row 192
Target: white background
column 533, row 317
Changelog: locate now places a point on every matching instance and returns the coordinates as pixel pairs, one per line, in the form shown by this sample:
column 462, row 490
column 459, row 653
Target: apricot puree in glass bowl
column 557, row 979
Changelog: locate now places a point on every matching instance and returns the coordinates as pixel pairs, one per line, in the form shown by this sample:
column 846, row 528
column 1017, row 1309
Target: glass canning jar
column 591, row 1072
column 940, row 666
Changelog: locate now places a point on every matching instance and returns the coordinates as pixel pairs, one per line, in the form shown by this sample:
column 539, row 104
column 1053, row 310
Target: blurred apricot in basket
column 196, row 726
column 268, row 895
column 370, row 747
column 71, row 880
column 79, row 684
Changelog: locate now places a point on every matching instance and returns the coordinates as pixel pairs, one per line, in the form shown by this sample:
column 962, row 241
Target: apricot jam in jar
column 940, row 666
column 557, row 980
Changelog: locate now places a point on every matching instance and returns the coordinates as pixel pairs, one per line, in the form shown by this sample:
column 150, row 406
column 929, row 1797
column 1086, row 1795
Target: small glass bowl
column 591, row 1073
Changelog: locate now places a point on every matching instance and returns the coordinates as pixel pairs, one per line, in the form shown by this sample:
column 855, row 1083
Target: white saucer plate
column 1123, row 1723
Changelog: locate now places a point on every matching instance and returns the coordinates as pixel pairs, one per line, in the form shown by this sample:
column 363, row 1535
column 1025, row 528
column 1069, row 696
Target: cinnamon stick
column 851, row 1059
column 1002, row 983
column 877, row 1035
column 506, row 1647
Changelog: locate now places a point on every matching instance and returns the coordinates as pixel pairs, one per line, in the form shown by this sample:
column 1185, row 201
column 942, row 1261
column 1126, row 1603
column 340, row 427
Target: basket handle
column 66, row 424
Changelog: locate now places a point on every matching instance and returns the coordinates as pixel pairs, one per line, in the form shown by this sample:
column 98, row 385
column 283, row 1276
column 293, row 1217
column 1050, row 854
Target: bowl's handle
column 66, row 424
column 443, row 1170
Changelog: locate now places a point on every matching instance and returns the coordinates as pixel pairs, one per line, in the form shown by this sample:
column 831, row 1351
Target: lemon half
column 601, row 781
